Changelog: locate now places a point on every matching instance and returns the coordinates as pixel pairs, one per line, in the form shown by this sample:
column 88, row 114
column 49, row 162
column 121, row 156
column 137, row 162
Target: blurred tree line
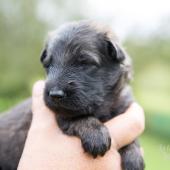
column 22, row 35
column 22, row 32
column 21, row 42
column 151, row 58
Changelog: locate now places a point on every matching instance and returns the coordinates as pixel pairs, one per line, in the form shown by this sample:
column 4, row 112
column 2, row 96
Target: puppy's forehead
column 64, row 34
column 74, row 39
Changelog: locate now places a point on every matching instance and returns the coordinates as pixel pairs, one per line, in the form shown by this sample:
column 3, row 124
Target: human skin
column 47, row 147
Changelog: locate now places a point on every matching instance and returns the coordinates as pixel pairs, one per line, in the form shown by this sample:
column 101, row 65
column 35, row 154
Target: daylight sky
column 123, row 15
column 126, row 15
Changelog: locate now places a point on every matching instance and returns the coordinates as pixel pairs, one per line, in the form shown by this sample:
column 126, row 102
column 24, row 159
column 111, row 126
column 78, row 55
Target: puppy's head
column 85, row 69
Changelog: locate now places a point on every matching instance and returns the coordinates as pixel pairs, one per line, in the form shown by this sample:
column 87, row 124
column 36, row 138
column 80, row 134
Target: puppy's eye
column 87, row 61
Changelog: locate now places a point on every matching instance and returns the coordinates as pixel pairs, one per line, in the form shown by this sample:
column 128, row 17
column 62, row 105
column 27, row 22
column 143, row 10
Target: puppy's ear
column 115, row 51
column 43, row 55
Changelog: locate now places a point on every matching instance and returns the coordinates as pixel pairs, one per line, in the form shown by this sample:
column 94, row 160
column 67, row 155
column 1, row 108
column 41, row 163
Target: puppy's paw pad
column 97, row 142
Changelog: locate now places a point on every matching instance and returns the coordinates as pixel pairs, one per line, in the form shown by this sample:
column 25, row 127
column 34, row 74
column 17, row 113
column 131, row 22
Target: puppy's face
column 83, row 69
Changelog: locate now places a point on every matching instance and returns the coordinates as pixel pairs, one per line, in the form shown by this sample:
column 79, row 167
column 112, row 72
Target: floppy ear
column 43, row 55
column 115, row 51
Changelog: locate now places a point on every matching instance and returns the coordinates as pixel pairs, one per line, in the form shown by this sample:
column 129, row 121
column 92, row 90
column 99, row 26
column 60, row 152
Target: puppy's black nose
column 56, row 94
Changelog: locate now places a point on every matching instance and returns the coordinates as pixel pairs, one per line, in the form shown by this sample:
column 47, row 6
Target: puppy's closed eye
column 88, row 59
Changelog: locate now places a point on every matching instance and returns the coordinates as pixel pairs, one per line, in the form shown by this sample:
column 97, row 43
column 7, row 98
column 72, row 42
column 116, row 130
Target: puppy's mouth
column 61, row 103
column 67, row 110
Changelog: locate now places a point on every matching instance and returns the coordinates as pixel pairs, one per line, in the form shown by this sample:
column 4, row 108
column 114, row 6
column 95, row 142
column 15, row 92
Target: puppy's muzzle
column 62, row 91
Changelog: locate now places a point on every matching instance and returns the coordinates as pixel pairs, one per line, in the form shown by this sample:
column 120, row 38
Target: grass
column 156, row 152
column 6, row 103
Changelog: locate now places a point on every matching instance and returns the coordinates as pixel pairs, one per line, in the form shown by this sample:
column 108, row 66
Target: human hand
column 47, row 147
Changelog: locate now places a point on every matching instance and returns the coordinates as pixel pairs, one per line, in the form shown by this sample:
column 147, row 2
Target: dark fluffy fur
column 87, row 84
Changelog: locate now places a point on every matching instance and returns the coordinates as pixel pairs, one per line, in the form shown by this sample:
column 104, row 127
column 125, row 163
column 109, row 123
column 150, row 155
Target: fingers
column 127, row 126
column 37, row 96
column 123, row 128
column 42, row 115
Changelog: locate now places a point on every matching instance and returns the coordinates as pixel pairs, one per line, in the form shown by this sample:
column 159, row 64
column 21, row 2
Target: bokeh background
column 143, row 28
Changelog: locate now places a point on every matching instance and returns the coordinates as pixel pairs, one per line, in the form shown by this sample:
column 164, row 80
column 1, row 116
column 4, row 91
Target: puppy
column 87, row 84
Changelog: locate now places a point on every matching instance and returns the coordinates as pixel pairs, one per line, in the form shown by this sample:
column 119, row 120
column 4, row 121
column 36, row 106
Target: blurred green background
column 23, row 26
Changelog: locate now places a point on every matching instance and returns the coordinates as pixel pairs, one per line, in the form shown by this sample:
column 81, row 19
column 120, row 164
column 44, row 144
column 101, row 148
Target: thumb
column 42, row 115
column 37, row 96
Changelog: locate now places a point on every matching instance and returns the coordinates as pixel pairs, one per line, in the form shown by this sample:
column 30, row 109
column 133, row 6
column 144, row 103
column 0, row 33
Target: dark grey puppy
column 87, row 84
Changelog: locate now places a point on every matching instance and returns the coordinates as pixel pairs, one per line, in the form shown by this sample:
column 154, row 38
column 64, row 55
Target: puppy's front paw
column 96, row 141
